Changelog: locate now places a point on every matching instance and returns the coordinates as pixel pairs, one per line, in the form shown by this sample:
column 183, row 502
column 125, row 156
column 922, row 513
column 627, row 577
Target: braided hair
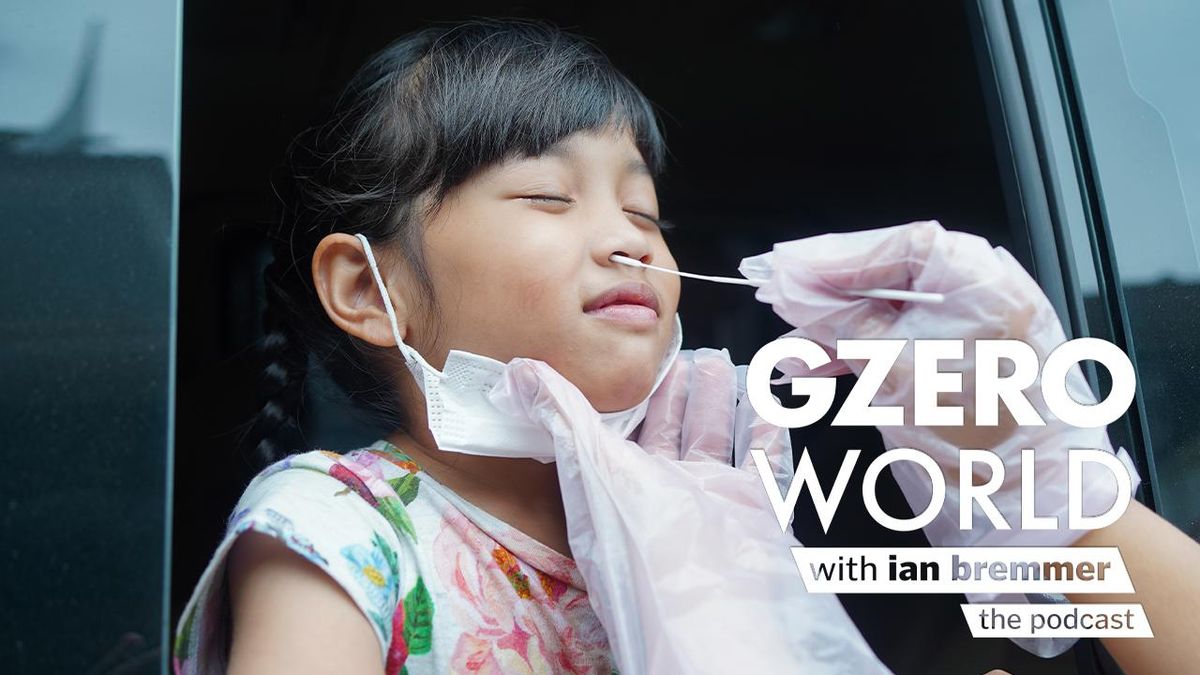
column 277, row 423
column 418, row 119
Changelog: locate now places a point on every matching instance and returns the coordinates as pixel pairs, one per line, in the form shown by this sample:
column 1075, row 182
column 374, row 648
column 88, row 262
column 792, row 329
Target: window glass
column 1134, row 65
column 87, row 183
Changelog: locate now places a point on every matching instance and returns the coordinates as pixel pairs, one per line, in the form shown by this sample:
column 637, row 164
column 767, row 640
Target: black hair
column 416, row 120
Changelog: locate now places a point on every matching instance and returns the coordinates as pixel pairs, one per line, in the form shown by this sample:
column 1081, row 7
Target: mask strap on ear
column 387, row 300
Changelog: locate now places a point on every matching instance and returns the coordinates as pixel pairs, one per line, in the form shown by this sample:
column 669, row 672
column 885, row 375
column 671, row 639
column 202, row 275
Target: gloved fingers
column 662, row 428
column 1028, row 315
column 535, row 391
column 712, row 400
column 751, row 432
column 921, row 255
column 827, row 264
column 794, row 367
column 775, row 441
column 806, row 279
column 888, row 257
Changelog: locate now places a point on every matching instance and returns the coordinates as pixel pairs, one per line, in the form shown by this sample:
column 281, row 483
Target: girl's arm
column 1163, row 564
column 291, row 617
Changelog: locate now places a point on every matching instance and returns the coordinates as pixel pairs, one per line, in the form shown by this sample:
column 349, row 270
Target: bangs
column 489, row 90
column 521, row 92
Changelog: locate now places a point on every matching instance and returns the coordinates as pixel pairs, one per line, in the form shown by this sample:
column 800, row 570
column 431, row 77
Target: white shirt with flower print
column 447, row 587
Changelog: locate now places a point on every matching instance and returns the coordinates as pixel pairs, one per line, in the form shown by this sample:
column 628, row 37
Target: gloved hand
column 987, row 295
column 684, row 562
column 700, row 412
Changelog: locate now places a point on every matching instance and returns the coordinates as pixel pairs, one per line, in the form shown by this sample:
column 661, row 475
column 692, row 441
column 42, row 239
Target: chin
column 619, row 372
column 620, row 389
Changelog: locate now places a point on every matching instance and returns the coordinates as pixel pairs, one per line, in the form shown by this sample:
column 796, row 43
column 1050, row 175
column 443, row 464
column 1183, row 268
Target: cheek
column 513, row 309
column 531, row 286
column 611, row 383
column 504, row 297
column 517, row 254
column 668, row 285
column 536, row 290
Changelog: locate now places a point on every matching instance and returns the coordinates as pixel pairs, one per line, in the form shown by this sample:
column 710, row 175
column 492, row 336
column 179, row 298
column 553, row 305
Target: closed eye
column 659, row 222
column 558, row 199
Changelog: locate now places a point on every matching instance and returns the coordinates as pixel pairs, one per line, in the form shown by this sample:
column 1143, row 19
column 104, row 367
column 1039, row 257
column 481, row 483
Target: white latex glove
column 684, row 562
column 700, row 412
column 988, row 294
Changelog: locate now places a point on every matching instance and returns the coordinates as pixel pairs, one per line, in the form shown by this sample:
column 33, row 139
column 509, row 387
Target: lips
column 632, row 305
column 628, row 293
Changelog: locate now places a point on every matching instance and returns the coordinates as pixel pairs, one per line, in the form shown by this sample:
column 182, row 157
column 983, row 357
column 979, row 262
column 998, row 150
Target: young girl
column 453, row 151
column 495, row 168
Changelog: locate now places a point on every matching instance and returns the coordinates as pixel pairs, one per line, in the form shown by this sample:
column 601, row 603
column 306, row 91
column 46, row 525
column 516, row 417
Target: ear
column 348, row 292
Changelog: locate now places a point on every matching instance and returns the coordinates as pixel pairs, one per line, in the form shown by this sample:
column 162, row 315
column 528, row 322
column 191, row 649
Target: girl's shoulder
column 377, row 474
column 346, row 513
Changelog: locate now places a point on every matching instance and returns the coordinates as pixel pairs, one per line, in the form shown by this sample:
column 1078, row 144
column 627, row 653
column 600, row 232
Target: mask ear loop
column 410, row 354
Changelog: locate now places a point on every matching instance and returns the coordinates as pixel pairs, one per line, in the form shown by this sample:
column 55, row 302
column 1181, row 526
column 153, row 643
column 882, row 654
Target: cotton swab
column 880, row 293
column 616, row 257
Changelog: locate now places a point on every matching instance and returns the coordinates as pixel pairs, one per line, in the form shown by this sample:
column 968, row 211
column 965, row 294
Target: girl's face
column 519, row 259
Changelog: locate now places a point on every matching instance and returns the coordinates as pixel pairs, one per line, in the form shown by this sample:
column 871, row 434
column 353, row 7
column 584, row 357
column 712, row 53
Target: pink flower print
column 374, row 462
column 398, row 650
column 369, row 484
column 552, row 587
column 353, row 482
column 509, row 625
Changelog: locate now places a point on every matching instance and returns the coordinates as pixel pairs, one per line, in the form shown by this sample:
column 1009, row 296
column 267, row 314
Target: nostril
column 644, row 259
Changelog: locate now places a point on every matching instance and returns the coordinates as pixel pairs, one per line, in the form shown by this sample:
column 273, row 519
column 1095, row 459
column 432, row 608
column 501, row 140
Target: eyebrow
column 634, row 165
column 637, row 165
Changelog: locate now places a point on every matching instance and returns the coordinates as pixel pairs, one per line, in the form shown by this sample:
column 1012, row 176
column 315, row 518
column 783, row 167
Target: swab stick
column 880, row 293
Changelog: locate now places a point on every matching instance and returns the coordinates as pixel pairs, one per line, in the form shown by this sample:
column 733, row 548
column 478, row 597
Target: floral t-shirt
column 447, row 587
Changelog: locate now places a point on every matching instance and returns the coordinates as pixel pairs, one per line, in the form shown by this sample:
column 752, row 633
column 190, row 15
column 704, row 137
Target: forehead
column 606, row 145
column 603, row 149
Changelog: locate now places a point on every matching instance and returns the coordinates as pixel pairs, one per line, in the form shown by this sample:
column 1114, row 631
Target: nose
column 622, row 237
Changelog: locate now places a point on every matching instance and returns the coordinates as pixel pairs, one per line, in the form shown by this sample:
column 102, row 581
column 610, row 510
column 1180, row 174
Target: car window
column 88, row 177
column 1133, row 66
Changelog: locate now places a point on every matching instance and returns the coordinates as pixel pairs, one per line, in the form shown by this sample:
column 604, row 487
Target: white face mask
column 462, row 419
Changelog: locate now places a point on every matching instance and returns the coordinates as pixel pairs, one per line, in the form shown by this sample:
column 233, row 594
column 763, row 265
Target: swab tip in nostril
column 617, row 257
